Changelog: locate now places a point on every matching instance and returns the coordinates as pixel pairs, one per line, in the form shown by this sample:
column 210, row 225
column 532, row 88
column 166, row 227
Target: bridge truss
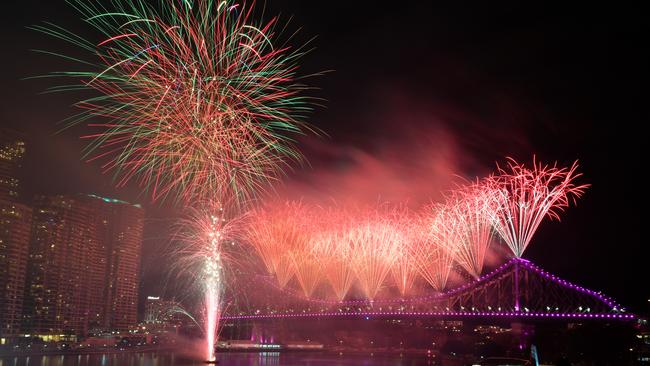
column 517, row 290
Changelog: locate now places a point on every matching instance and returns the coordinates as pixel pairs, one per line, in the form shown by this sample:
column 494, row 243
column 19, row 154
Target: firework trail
column 472, row 206
column 275, row 232
column 423, row 251
column 203, row 235
column 331, row 245
column 375, row 242
column 525, row 196
column 308, row 269
column 261, row 235
column 403, row 270
column 435, row 244
column 193, row 98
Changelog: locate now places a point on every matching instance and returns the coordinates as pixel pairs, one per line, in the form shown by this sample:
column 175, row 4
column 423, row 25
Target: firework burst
column 342, row 245
column 403, row 270
column 472, row 206
column 193, row 98
column 438, row 245
column 331, row 246
column 202, row 235
column 276, row 232
column 525, row 196
column 375, row 242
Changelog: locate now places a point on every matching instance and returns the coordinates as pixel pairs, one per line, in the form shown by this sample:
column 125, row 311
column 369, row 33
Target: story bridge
column 517, row 291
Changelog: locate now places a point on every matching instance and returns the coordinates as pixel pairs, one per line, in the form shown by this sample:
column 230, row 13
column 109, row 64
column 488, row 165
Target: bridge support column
column 516, row 285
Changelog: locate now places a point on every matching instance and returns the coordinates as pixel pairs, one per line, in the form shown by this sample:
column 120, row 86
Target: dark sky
column 461, row 86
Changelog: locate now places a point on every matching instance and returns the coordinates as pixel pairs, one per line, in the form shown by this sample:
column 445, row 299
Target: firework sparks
column 472, row 206
column 203, row 234
column 403, row 270
column 375, row 243
column 341, row 245
column 276, row 232
column 331, row 245
column 438, row 244
column 308, row 269
column 525, row 196
column 193, row 98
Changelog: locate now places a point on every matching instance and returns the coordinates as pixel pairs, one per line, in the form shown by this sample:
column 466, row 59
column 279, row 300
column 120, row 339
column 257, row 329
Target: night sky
column 417, row 95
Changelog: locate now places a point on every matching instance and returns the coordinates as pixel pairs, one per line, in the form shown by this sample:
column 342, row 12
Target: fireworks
column 443, row 229
column 403, row 270
column 375, row 244
column 276, row 233
column 472, row 206
column 194, row 101
column 203, row 235
column 340, row 245
column 308, row 269
column 525, row 196
column 301, row 251
column 331, row 246
column 193, row 98
column 428, row 256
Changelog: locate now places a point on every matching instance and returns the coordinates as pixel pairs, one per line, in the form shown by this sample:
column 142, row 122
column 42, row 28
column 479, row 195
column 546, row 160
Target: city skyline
column 226, row 175
column 527, row 92
column 70, row 263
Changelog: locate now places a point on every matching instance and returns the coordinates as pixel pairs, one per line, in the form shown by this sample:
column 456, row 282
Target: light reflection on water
column 225, row 359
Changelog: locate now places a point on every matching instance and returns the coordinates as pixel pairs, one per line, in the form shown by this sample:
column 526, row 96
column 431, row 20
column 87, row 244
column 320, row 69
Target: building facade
column 119, row 230
column 15, row 224
column 12, row 150
column 83, row 269
column 63, row 273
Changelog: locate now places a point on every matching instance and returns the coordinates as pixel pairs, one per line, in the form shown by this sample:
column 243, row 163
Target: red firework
column 525, row 196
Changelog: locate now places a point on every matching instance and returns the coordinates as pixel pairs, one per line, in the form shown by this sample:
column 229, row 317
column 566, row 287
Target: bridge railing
column 518, row 288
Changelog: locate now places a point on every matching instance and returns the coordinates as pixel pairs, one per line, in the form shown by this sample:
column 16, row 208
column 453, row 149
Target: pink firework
column 472, row 206
column 332, row 248
column 404, row 270
column 308, row 269
column 275, row 232
column 435, row 243
column 375, row 242
column 526, row 196
column 203, row 235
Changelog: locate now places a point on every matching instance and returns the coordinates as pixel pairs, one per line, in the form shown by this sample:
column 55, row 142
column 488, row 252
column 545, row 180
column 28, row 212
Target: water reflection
column 225, row 359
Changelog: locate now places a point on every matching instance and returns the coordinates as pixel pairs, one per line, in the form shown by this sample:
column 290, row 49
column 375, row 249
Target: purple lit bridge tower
column 516, row 291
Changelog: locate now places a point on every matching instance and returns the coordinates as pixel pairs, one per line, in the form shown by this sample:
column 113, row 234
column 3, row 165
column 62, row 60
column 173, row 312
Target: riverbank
column 9, row 353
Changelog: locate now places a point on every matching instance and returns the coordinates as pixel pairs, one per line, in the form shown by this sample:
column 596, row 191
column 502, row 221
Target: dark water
column 225, row 359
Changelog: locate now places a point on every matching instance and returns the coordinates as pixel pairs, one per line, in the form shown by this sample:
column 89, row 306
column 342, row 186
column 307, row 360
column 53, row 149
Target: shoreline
column 332, row 351
column 81, row 352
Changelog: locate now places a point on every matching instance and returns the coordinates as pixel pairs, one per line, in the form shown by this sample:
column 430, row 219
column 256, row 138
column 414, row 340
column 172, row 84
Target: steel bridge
column 517, row 290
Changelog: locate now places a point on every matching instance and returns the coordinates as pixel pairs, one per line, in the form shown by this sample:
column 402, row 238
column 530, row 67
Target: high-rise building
column 83, row 269
column 119, row 230
column 12, row 150
column 64, row 271
column 15, row 223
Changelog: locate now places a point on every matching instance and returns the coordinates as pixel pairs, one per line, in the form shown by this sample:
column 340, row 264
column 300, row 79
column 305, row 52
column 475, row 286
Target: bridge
column 517, row 290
